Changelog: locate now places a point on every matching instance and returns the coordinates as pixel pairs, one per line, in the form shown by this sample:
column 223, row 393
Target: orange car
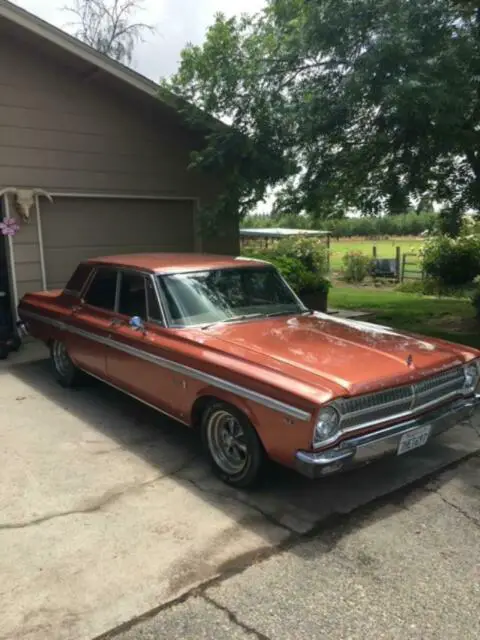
column 223, row 345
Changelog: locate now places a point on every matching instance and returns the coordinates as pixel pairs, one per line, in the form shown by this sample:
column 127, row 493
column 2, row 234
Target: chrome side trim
column 237, row 390
column 148, row 404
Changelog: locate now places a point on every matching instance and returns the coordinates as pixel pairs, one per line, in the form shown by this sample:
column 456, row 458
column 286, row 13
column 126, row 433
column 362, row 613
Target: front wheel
column 233, row 446
column 65, row 372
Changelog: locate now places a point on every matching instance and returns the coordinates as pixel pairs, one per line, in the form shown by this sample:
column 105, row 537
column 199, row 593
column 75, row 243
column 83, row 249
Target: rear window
column 78, row 279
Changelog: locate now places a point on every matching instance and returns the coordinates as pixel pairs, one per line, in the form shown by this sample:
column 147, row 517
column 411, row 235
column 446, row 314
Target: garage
column 76, row 228
column 95, row 159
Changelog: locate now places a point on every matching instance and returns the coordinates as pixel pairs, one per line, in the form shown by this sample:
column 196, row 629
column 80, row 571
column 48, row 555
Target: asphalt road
column 406, row 566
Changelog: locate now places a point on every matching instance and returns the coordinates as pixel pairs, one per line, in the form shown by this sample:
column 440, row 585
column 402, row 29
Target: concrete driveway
column 108, row 511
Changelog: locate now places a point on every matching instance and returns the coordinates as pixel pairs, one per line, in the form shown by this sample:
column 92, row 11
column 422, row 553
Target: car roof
column 174, row 262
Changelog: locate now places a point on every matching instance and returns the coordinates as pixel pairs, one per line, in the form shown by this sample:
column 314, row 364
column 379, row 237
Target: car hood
column 342, row 355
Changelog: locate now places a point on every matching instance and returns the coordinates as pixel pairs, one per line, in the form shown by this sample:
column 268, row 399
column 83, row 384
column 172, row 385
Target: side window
column 132, row 295
column 78, row 279
column 152, row 303
column 102, row 290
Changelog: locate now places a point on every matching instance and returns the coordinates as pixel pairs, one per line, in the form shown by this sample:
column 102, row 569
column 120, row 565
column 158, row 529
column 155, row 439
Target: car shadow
column 286, row 499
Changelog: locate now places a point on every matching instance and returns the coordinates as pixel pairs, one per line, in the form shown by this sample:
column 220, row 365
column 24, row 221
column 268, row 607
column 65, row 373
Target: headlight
column 327, row 425
column 471, row 372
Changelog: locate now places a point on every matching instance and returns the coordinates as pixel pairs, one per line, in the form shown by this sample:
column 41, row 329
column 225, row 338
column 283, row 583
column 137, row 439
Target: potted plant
column 314, row 292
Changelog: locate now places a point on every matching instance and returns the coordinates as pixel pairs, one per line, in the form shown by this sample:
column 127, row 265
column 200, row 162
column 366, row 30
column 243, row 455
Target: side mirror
column 137, row 323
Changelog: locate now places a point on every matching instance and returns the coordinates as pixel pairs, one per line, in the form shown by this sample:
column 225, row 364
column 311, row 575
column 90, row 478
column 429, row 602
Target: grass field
column 385, row 248
column 447, row 318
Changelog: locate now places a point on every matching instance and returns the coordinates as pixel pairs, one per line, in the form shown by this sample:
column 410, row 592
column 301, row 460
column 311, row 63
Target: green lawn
column 448, row 318
column 385, row 248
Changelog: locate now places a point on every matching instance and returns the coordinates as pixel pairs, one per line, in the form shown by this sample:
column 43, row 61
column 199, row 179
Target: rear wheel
column 233, row 446
column 66, row 373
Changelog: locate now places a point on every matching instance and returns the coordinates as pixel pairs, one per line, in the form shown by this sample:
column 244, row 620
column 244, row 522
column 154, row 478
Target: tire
column 65, row 372
column 16, row 343
column 232, row 446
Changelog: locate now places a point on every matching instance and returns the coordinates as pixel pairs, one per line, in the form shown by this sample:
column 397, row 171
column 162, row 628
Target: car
column 224, row 346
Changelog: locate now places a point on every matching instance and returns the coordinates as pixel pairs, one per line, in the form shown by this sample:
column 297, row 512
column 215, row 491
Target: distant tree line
column 410, row 224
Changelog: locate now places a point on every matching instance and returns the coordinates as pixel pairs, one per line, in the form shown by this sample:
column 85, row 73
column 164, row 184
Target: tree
column 371, row 105
column 108, row 26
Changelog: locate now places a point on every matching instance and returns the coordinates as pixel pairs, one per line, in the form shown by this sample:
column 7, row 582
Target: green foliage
column 302, row 261
column 452, row 262
column 365, row 105
column 428, row 286
column 311, row 252
column 476, row 297
column 356, row 266
column 409, row 224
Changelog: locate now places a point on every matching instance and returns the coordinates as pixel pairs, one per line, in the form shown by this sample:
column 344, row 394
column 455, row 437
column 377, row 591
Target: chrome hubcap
column 226, row 440
column 61, row 359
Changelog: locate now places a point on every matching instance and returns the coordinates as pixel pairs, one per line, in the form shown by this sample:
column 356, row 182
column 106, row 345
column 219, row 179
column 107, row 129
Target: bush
column 476, row 297
column 302, row 261
column 452, row 262
column 356, row 266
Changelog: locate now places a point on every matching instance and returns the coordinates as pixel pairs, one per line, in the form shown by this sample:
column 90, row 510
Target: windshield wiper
column 295, row 312
column 246, row 316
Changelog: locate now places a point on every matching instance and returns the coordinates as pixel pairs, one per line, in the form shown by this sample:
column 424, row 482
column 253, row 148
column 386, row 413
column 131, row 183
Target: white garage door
column 78, row 228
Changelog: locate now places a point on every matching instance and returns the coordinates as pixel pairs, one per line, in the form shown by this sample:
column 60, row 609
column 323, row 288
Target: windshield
column 225, row 295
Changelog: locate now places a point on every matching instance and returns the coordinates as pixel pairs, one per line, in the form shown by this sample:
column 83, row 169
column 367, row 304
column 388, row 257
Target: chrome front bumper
column 365, row 448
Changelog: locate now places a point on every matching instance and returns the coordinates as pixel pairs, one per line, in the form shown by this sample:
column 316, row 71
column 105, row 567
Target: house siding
column 62, row 132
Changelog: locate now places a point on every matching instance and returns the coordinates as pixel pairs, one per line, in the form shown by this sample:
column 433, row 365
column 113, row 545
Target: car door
column 90, row 322
column 134, row 363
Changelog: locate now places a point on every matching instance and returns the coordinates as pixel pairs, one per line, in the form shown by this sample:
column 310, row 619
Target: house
column 93, row 136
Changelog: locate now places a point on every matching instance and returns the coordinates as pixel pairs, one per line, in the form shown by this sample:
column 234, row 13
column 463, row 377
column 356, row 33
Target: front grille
column 383, row 405
column 433, row 390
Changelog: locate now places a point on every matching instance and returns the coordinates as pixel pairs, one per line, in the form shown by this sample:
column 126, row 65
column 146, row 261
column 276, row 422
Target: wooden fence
column 411, row 267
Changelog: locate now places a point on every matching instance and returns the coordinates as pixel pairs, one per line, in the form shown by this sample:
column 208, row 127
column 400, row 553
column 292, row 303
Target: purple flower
column 9, row 227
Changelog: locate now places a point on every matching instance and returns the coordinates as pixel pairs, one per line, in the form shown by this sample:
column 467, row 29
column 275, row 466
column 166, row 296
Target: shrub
column 476, row 296
column 302, row 261
column 356, row 266
column 312, row 253
column 452, row 262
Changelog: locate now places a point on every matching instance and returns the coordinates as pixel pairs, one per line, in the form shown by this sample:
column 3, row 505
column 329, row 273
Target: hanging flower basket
column 9, row 227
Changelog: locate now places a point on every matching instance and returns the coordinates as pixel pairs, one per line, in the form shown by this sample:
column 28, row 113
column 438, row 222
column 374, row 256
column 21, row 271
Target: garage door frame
column 112, row 196
column 10, row 250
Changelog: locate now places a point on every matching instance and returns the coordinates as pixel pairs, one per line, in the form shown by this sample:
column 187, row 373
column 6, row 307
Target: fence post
column 374, row 251
column 404, row 262
column 328, row 253
column 397, row 262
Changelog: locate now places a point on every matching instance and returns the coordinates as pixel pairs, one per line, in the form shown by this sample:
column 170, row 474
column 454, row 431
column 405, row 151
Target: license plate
column 413, row 439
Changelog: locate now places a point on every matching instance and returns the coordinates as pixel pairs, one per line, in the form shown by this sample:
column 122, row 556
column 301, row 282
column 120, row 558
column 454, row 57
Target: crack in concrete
column 232, row 498
column 321, row 527
column 108, row 498
column 235, row 619
column 462, row 512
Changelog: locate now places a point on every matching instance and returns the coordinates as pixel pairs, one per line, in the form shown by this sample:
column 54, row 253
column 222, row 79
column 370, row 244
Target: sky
column 176, row 22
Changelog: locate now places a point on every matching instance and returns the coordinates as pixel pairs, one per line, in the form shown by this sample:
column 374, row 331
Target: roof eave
column 65, row 41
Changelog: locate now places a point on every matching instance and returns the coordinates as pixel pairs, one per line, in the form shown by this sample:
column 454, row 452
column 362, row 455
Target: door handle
column 76, row 308
column 116, row 322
